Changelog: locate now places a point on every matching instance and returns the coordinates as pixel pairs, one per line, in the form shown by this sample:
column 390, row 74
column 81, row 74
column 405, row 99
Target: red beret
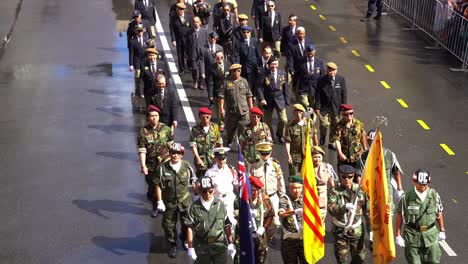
column 204, row 111
column 256, row 110
column 255, row 181
column 346, row 107
column 153, row 108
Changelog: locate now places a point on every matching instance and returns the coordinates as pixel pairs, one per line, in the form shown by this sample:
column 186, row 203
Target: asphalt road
column 70, row 188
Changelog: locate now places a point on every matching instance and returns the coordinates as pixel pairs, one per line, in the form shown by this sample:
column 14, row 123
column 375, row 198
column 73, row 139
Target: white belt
column 341, row 224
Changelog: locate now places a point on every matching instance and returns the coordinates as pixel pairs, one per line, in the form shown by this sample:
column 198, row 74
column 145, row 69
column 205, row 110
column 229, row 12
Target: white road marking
column 447, row 248
column 175, row 73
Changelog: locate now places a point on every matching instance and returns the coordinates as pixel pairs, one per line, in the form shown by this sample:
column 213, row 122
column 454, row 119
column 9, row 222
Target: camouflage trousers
column 353, row 245
column 295, row 168
column 292, row 251
column 260, row 250
column 215, row 258
column 150, row 194
column 169, row 223
column 328, row 121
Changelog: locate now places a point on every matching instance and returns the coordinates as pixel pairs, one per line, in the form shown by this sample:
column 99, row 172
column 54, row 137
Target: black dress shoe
column 154, row 213
column 172, row 252
column 322, row 140
column 331, row 146
column 281, row 140
column 378, row 17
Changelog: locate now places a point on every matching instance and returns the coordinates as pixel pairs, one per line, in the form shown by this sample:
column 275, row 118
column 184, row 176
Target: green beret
column 295, row 179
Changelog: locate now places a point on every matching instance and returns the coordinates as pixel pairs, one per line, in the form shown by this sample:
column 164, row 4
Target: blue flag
column 246, row 254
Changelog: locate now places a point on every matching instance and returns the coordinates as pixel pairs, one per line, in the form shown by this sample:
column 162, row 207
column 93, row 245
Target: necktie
column 265, row 169
column 272, row 18
column 302, row 48
column 153, row 68
column 196, row 34
column 220, row 69
column 247, row 42
column 161, row 98
column 333, row 82
column 293, row 31
column 311, row 66
column 141, row 42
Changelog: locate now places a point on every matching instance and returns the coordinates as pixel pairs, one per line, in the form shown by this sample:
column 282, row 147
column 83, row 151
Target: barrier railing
column 439, row 20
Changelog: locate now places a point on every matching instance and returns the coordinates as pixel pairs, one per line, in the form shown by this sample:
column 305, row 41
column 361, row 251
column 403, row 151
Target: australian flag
column 246, row 254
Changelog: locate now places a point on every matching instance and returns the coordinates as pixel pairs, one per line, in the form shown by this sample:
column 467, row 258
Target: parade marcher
column 246, row 53
column 180, row 25
column 295, row 52
column 225, row 182
column 269, row 171
column 136, row 20
column 187, row 12
column 350, row 138
column 310, row 68
column 173, row 180
column 296, row 138
column 165, row 99
column 370, row 9
column 419, row 209
column 202, row 10
column 136, row 53
column 290, row 212
column 273, row 95
column 208, row 228
column 325, row 177
column 262, row 63
column 217, row 75
column 270, row 29
column 330, row 94
column 224, row 29
column 148, row 12
column 235, row 100
column 151, row 68
column 288, row 34
column 218, row 11
column 197, row 39
column 344, row 201
column 211, row 48
column 237, row 31
column 252, row 134
column 262, row 217
column 258, row 11
column 204, row 137
column 153, row 144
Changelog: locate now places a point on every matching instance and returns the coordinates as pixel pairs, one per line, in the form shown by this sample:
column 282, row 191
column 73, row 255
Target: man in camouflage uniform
column 173, row 179
column 204, row 137
column 252, row 134
column 348, row 232
column 208, row 228
column 295, row 138
column 153, row 148
column 238, row 98
column 419, row 209
column 350, row 138
column 290, row 212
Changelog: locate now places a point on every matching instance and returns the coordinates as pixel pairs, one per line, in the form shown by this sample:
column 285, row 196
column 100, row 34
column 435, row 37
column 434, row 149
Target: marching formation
column 239, row 67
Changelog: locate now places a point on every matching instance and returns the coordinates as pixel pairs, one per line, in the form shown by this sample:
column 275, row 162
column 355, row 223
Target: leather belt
column 420, row 228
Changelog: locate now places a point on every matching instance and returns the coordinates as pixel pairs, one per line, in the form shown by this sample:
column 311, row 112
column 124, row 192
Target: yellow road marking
column 312, row 7
column 423, row 124
column 343, row 40
column 447, row 149
column 332, row 28
column 369, row 68
column 385, row 84
column 455, row 201
column 322, row 17
column 356, row 53
column 402, row 103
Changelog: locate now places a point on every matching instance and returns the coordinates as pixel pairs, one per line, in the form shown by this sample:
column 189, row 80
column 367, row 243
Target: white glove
column 399, row 241
column 298, row 211
column 161, row 207
column 260, row 231
column 371, row 236
column 231, row 250
column 192, row 256
column 400, row 193
column 350, row 206
column 442, row 236
column 253, row 212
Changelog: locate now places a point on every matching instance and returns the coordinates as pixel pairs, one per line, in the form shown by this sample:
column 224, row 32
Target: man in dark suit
column 288, row 34
column 146, row 7
column 237, row 31
column 295, row 52
column 217, row 74
column 165, row 99
column 331, row 93
column 227, row 22
column 270, row 29
column 273, row 95
column 262, row 64
column 209, row 52
column 136, row 53
column 310, row 68
column 246, row 53
column 258, row 10
column 202, row 10
column 136, row 19
column 151, row 68
column 197, row 40
column 180, row 25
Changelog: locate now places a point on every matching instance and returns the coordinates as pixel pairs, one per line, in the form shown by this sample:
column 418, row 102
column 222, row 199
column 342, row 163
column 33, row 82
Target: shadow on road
column 131, row 156
column 138, row 196
column 98, row 207
column 108, row 129
column 118, row 245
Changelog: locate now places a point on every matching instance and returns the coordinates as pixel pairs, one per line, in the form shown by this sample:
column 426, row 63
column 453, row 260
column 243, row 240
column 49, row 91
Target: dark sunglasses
column 176, row 152
column 205, row 191
column 271, row 6
column 264, row 153
column 348, row 113
column 347, row 177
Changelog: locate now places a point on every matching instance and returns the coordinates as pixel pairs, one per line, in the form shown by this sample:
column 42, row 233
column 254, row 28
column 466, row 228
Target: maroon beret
column 256, row 110
column 204, row 111
column 346, row 107
column 255, row 181
column 153, row 108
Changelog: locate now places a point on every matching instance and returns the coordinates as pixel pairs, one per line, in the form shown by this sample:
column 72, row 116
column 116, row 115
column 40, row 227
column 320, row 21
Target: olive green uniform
column 176, row 197
column 296, row 137
column 292, row 245
column 235, row 94
column 155, row 142
column 351, row 240
column 350, row 139
column 208, row 231
column 420, row 232
column 250, row 136
column 205, row 142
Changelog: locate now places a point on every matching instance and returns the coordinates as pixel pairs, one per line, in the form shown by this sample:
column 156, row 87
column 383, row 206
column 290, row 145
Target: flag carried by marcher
column 246, row 253
column 314, row 231
column 374, row 183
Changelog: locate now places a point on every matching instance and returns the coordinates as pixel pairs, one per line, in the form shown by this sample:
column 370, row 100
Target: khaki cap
column 180, row 5
column 332, row 65
column 243, row 16
column 235, row 66
column 152, row 51
column 299, row 107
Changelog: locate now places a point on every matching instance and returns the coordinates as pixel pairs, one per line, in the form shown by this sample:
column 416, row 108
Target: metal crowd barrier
column 438, row 20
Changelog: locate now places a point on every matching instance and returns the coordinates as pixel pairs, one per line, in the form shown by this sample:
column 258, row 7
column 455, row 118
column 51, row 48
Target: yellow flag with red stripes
column 374, row 183
column 314, row 231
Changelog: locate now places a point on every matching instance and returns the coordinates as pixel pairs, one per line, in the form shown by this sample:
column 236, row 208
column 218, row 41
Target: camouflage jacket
column 289, row 225
column 250, row 136
column 205, row 142
column 175, row 185
column 155, row 142
column 350, row 139
column 296, row 137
